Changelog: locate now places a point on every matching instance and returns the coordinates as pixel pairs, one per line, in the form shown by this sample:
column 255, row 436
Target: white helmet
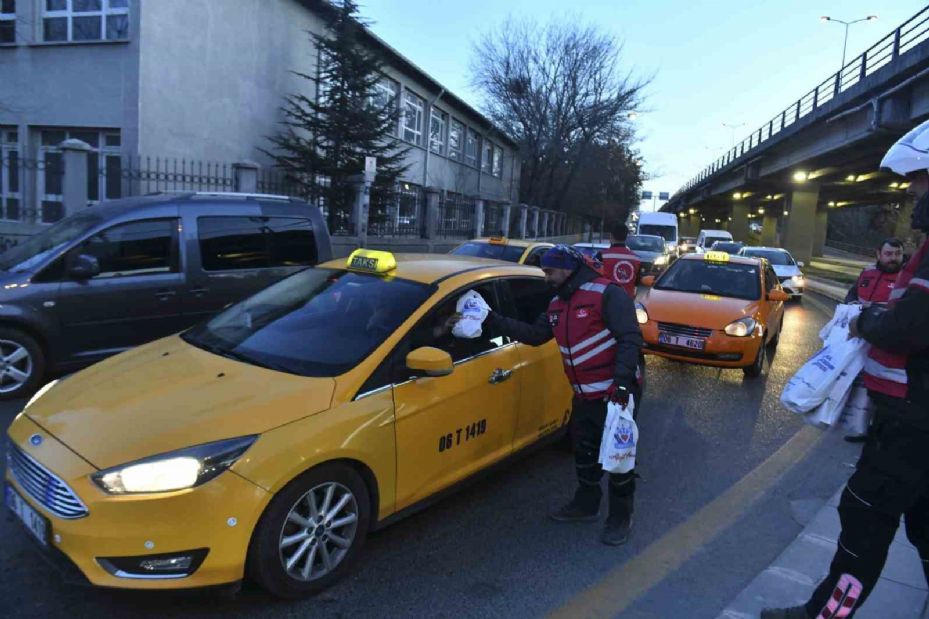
column 910, row 153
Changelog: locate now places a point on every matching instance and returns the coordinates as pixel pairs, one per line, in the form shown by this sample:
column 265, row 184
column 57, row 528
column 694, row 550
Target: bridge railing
column 905, row 38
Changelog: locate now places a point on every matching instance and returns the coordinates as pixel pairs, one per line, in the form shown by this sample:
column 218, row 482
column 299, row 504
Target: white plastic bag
column 844, row 314
column 827, row 414
column 856, row 416
column 620, row 437
column 839, row 357
column 473, row 310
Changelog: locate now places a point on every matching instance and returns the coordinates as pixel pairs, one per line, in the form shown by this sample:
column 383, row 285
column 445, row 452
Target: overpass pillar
column 739, row 224
column 801, row 224
column 769, row 227
column 819, row 232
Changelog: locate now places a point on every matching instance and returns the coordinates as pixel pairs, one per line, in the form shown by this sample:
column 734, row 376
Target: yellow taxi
column 268, row 441
column 501, row 248
column 713, row 309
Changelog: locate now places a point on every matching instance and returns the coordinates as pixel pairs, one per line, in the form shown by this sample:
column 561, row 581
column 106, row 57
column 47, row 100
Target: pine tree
column 326, row 140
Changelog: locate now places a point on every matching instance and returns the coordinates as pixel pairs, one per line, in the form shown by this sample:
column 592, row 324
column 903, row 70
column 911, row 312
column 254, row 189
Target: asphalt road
column 726, row 484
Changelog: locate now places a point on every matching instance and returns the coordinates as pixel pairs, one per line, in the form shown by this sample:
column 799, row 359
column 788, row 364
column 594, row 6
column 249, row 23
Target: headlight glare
column 640, row 314
column 743, row 327
column 177, row 470
column 660, row 260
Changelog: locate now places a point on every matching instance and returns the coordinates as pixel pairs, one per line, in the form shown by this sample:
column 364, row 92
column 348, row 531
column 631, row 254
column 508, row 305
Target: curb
column 826, row 288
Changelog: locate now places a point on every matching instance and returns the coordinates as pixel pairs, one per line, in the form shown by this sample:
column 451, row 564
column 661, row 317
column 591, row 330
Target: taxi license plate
column 35, row 522
column 693, row 343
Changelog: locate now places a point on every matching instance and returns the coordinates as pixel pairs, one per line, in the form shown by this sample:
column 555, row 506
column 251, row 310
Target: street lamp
column 826, row 18
column 732, row 129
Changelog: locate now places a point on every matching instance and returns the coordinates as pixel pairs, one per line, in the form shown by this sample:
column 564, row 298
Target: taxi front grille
column 676, row 329
column 43, row 486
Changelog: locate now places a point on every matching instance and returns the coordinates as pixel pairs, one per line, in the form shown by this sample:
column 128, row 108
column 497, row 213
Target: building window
column 498, row 162
column 10, row 175
column 455, row 139
column 471, row 148
column 487, row 157
column 104, row 179
column 413, row 110
column 85, row 20
column 7, row 21
column 386, row 92
column 438, row 121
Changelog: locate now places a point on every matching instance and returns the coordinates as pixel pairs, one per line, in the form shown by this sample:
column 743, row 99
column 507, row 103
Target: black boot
column 619, row 523
column 574, row 511
column 795, row 612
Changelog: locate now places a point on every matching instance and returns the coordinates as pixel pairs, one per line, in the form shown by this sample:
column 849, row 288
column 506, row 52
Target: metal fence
column 339, row 220
column 137, row 176
column 493, row 219
column 456, row 216
column 45, row 175
column 902, row 40
column 397, row 211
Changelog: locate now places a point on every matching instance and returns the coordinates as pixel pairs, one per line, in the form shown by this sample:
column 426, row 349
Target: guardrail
column 913, row 32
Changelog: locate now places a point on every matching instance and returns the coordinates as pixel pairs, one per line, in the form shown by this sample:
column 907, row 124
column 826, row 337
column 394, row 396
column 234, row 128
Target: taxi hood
column 169, row 395
column 695, row 309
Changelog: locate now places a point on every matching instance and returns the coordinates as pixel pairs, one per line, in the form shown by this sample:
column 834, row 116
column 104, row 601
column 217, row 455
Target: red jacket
column 873, row 285
column 622, row 267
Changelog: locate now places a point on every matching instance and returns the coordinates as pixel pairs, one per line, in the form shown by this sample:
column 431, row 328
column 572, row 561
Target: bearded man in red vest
column 892, row 476
column 594, row 322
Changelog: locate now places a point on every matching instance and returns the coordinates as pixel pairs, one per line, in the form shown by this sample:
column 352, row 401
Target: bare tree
column 557, row 89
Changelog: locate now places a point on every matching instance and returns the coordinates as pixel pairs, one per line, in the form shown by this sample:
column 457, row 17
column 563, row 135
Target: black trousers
column 589, row 417
column 891, row 479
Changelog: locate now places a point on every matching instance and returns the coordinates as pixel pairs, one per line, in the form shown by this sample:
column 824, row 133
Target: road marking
column 624, row 585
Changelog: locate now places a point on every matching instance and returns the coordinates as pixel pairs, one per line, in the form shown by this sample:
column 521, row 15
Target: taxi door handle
column 498, row 376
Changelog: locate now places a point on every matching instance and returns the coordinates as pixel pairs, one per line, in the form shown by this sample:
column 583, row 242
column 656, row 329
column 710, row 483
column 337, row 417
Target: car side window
column 238, row 243
column 137, row 248
column 528, row 298
column 770, row 279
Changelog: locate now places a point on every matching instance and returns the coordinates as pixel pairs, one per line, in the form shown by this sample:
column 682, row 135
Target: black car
column 121, row 274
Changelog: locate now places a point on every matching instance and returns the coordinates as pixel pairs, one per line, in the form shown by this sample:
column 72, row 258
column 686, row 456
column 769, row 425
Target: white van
column 707, row 237
column 660, row 224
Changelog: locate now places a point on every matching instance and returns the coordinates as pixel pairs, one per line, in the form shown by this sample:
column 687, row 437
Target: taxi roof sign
column 716, row 256
column 371, row 261
column 497, row 240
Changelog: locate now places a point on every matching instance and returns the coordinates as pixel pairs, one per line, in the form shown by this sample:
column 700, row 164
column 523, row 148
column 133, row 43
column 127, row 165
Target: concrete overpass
column 821, row 153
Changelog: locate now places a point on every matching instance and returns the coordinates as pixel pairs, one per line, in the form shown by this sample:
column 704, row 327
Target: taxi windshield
column 723, row 279
column 500, row 251
column 319, row 322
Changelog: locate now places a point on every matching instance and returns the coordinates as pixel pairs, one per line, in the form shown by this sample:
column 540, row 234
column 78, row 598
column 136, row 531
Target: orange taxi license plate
column 35, row 522
column 682, row 341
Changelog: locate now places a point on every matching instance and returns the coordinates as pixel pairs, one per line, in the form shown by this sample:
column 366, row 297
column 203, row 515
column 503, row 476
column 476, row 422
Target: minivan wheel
column 22, row 364
column 311, row 532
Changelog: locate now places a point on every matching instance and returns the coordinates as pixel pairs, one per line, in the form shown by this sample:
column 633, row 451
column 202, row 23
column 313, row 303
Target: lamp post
column 732, row 129
column 826, row 18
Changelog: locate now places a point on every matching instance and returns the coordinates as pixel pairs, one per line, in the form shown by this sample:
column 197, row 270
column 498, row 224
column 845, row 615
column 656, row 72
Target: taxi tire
column 263, row 564
column 777, row 337
column 757, row 366
column 34, row 381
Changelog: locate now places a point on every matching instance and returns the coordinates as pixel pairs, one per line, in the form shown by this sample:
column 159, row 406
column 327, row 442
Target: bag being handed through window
column 473, row 310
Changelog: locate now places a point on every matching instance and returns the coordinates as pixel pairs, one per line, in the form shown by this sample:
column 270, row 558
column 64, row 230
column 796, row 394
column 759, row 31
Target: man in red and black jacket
column 594, row 323
column 875, row 283
column 621, row 264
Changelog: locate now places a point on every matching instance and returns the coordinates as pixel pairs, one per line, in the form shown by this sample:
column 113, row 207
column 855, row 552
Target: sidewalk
column 901, row 593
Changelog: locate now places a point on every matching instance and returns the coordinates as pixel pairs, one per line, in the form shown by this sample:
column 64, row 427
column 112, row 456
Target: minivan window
column 137, row 248
column 232, row 243
column 509, row 253
column 319, row 322
column 37, row 248
column 668, row 233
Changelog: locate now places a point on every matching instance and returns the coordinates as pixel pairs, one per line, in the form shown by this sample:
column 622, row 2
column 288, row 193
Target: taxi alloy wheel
column 311, row 532
column 22, row 364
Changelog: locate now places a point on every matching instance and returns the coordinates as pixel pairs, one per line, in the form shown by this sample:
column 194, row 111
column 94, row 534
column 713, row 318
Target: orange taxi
column 713, row 309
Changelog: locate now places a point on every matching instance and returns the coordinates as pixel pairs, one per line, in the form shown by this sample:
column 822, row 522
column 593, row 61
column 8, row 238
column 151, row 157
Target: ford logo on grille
column 35, row 440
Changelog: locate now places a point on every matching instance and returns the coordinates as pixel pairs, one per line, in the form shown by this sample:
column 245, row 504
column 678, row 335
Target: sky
column 710, row 62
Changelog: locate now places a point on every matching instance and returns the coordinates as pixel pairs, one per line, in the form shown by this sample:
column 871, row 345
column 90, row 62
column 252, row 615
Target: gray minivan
column 130, row 271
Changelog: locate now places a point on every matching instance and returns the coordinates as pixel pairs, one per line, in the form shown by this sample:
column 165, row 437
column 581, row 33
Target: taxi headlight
column 660, row 260
column 743, row 327
column 640, row 314
column 177, row 470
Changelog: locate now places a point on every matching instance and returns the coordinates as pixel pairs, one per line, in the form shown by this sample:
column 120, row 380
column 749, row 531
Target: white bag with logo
column 839, row 358
column 473, row 310
column 856, row 415
column 620, row 437
column 827, row 414
column 844, row 314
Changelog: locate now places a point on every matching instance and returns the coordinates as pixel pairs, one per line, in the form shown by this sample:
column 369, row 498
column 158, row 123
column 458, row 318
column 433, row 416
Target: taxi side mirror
column 430, row 361
column 778, row 295
column 648, row 280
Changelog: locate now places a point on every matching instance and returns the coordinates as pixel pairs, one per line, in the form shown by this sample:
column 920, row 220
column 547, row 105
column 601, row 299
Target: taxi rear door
column 450, row 427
